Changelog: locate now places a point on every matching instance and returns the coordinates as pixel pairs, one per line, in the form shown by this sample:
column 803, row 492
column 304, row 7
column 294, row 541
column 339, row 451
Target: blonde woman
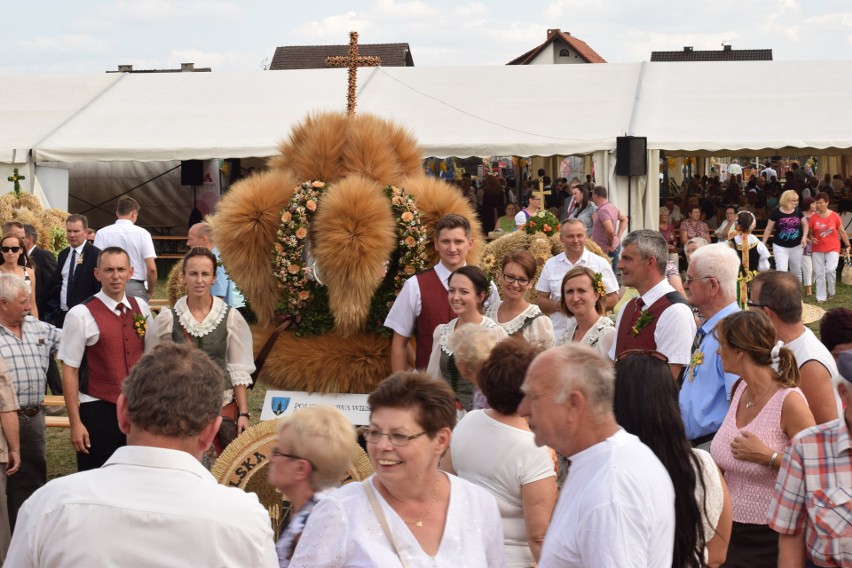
column 791, row 233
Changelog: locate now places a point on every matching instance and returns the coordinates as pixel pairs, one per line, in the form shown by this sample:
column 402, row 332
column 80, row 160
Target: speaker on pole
column 631, row 156
column 191, row 172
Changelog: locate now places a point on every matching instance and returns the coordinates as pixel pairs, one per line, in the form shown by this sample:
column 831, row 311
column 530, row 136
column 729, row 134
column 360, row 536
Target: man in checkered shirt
column 812, row 505
column 26, row 345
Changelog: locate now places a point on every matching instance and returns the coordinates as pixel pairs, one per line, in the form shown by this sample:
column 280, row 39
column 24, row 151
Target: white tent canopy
column 754, row 108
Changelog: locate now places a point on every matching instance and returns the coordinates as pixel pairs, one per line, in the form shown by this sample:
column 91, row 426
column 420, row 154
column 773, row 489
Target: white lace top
column 240, row 350
column 539, row 330
column 600, row 336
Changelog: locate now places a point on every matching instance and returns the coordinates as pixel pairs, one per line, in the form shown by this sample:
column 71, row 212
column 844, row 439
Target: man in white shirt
column 616, row 508
column 660, row 318
column 779, row 296
column 103, row 338
column 74, row 278
column 549, row 285
column 137, row 242
column 152, row 503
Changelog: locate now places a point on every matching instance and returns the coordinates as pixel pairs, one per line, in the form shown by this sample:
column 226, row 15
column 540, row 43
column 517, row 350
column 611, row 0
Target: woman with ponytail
column 646, row 405
column 767, row 410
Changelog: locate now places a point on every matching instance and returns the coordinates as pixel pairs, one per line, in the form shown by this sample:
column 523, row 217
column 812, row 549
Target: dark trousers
column 752, row 546
column 33, row 471
column 54, row 379
column 100, row 420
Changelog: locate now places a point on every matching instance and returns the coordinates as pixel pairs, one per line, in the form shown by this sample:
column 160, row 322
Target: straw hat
column 811, row 313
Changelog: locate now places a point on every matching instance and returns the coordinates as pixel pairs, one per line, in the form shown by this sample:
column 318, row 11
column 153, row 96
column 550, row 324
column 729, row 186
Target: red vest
column 625, row 340
column 119, row 347
column 434, row 311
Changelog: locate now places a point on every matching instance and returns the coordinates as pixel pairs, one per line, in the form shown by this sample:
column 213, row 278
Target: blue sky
column 92, row 36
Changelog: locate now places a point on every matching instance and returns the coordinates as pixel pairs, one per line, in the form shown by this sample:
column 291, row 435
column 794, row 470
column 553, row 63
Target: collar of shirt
column 110, row 303
column 159, row 458
column 30, row 252
column 582, row 261
column 842, row 444
column 123, row 222
column 658, row 291
column 443, row 273
column 710, row 323
column 79, row 250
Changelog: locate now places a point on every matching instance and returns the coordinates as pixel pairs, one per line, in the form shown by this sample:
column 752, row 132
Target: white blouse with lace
column 539, row 330
column 240, row 350
column 600, row 336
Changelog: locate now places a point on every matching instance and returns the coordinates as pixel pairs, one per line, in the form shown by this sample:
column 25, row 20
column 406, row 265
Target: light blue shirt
column 224, row 287
column 704, row 396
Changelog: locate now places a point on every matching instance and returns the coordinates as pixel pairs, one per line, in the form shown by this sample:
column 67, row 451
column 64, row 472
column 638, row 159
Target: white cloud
column 334, row 29
column 64, row 43
column 161, row 10
column 472, row 9
column 402, row 9
column 90, row 25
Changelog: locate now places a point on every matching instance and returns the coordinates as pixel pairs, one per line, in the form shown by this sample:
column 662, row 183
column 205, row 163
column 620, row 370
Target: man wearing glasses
column 549, row 285
column 152, row 502
column 710, row 284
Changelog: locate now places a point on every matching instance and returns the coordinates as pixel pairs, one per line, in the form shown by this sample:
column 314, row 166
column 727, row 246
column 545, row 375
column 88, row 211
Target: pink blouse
column 751, row 484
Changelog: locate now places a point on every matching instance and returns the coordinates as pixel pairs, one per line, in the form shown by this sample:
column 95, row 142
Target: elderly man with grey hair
column 27, row 346
column 152, row 503
column 659, row 319
column 616, row 508
column 711, row 286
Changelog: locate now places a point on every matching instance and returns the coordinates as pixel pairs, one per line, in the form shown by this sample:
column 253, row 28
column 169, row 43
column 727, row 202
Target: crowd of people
column 680, row 431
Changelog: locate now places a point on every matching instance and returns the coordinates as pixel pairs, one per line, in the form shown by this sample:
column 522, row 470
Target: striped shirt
column 814, row 493
column 27, row 358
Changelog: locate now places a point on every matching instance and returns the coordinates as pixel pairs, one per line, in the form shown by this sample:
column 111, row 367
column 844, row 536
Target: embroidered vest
column 753, row 255
column 109, row 361
column 434, row 310
column 214, row 344
column 626, row 340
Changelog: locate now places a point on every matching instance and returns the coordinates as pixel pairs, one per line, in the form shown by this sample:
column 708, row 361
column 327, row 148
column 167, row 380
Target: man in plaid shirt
column 812, row 506
column 26, row 345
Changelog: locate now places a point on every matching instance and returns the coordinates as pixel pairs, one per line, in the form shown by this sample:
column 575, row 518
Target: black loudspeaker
column 631, row 156
column 191, row 172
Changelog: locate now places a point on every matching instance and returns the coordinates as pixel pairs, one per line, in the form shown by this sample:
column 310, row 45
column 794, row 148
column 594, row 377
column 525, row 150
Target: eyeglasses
column 650, row 352
column 276, row 453
column 10, row 249
column 374, row 437
column 509, row 279
column 687, row 279
column 751, row 304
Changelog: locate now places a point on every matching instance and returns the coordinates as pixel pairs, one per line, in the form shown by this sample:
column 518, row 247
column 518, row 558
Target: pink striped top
column 751, row 484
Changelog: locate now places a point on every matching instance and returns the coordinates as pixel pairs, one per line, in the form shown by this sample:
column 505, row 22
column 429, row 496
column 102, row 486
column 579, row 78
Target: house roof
column 725, row 54
column 581, row 47
column 313, row 56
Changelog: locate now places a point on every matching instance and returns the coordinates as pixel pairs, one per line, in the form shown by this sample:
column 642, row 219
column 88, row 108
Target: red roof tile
column 581, row 47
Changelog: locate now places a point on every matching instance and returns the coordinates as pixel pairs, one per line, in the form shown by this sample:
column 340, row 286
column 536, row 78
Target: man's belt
column 29, row 411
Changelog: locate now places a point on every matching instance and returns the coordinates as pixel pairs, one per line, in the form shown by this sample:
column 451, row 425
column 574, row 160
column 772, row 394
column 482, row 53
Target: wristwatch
column 246, row 414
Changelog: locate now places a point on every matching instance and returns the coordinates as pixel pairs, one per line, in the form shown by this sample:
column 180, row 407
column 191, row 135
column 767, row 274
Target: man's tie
column 637, row 309
column 71, row 267
column 699, row 336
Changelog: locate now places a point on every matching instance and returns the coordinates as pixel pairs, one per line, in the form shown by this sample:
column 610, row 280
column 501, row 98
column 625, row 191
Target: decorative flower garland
column 542, row 222
column 304, row 296
column 694, row 362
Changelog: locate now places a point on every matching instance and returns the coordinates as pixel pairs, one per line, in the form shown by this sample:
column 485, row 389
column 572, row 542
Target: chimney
column 187, row 67
column 726, row 47
column 125, row 68
column 552, row 32
column 687, row 48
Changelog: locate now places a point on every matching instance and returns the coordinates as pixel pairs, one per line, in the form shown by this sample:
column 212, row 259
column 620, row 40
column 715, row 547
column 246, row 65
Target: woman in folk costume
column 221, row 332
column 754, row 253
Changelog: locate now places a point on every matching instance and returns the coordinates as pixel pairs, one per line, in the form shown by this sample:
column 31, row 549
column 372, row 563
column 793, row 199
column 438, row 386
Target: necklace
column 419, row 522
column 749, row 402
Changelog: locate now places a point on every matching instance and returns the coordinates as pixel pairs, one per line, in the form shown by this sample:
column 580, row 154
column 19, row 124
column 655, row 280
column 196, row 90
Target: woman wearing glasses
column 409, row 513
column 583, row 301
column 312, row 452
column 13, row 260
column 767, row 410
column 646, row 405
column 468, row 288
column 514, row 313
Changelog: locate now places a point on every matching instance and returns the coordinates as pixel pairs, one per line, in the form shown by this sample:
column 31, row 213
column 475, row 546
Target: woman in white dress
column 467, row 290
column 514, row 313
column 409, row 513
column 211, row 325
column 584, row 302
column 496, row 450
column 646, row 405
